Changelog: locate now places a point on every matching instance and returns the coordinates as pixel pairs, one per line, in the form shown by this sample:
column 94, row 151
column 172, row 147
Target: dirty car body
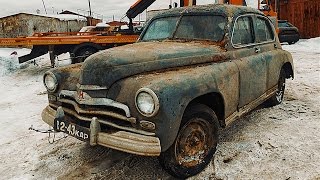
column 149, row 98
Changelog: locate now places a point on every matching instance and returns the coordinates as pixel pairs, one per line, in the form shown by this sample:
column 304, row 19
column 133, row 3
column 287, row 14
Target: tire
column 195, row 143
column 277, row 98
column 83, row 53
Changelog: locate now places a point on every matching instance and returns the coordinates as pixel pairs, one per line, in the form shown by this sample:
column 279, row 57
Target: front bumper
column 119, row 140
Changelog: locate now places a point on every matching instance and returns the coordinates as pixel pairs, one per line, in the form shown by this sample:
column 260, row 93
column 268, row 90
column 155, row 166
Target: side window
column 242, row 31
column 264, row 30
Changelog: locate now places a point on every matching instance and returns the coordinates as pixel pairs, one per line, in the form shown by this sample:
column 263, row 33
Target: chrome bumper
column 121, row 140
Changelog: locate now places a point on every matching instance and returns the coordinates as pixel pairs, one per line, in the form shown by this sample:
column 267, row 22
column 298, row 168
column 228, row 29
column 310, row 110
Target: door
column 265, row 37
column 250, row 61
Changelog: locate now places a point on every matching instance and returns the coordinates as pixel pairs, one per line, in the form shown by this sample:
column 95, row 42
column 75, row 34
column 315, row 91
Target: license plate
column 72, row 129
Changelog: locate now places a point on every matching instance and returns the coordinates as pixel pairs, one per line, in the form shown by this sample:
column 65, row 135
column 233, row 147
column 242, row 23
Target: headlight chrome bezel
column 155, row 101
column 54, row 79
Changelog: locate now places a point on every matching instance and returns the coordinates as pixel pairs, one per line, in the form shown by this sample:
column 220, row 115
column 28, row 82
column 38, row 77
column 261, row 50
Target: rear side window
column 264, row 30
column 242, row 31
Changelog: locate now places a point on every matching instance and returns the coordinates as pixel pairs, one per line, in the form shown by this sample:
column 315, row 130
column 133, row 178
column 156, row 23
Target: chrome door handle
column 257, row 50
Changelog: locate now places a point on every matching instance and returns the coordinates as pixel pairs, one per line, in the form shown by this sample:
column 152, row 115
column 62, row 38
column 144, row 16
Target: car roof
column 224, row 9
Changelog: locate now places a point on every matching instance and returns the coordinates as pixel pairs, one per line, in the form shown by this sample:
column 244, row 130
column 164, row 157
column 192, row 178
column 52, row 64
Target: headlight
column 50, row 81
column 147, row 102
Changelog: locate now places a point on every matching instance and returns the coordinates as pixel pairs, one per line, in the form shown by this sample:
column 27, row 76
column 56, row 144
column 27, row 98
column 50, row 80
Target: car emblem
column 81, row 95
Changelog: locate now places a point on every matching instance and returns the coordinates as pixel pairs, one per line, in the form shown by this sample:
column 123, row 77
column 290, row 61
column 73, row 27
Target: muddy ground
column 281, row 142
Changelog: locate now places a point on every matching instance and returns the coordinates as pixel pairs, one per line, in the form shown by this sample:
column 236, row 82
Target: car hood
column 106, row 67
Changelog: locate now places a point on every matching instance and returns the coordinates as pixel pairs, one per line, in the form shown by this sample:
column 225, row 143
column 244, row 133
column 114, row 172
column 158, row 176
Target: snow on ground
column 281, row 142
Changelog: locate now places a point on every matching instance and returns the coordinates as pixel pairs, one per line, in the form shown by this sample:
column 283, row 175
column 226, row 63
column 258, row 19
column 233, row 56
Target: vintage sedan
column 193, row 71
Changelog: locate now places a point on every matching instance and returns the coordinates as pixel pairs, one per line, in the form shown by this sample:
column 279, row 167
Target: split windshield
column 188, row 27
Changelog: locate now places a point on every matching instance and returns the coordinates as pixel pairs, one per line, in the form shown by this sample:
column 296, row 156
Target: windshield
column 195, row 27
column 284, row 24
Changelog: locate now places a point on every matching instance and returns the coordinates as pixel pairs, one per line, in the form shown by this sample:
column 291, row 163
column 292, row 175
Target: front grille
column 109, row 117
column 113, row 111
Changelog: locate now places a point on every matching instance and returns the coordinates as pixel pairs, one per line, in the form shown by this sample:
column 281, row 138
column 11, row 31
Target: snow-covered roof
column 102, row 25
column 62, row 17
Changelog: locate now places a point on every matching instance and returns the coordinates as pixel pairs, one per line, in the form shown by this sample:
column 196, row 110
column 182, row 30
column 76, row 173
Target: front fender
column 67, row 77
column 175, row 89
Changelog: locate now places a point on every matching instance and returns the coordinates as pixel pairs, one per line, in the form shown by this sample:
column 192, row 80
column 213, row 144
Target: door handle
column 257, row 50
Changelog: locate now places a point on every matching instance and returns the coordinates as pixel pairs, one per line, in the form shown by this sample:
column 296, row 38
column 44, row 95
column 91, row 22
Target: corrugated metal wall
column 28, row 24
column 304, row 14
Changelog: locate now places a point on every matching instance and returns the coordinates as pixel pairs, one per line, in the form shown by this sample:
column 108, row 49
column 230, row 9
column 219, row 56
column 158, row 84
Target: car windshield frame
column 178, row 23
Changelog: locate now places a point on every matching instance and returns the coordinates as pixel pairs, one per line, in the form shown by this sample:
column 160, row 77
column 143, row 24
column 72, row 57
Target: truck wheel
column 195, row 143
column 82, row 53
column 278, row 96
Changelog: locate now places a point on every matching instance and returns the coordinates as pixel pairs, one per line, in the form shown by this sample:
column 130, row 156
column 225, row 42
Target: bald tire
column 83, row 53
column 277, row 98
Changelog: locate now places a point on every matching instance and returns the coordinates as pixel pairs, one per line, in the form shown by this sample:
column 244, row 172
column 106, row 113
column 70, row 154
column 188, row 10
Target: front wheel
column 195, row 143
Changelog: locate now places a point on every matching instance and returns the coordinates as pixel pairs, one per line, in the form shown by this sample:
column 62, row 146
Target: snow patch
column 9, row 59
column 304, row 45
column 9, row 62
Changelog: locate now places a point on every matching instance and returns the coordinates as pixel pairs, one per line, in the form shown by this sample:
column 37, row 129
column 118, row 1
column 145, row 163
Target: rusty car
column 193, row 71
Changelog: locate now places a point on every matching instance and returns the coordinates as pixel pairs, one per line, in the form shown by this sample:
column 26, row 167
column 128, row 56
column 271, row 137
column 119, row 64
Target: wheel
column 82, row 53
column 195, row 143
column 278, row 96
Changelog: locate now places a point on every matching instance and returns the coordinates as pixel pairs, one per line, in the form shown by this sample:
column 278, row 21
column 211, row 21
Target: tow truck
column 79, row 44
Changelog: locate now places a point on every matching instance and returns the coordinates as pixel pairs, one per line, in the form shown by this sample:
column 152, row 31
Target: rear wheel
column 278, row 96
column 82, row 53
column 195, row 143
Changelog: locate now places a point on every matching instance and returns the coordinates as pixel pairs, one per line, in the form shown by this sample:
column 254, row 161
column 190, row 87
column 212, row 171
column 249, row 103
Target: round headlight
column 147, row 102
column 50, row 81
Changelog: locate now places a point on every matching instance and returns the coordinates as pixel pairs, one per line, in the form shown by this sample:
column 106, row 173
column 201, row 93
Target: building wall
column 27, row 25
column 93, row 21
column 304, row 14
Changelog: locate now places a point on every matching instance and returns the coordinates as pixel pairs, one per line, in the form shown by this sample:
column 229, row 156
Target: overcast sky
column 107, row 8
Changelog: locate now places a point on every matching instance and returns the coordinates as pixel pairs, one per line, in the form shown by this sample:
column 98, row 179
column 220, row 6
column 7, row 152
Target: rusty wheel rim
column 194, row 141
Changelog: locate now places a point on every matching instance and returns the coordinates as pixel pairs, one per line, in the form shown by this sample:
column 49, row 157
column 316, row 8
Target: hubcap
column 193, row 143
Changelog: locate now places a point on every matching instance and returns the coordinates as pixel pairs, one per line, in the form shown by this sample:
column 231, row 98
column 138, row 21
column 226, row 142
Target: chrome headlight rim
column 54, row 79
column 155, row 101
